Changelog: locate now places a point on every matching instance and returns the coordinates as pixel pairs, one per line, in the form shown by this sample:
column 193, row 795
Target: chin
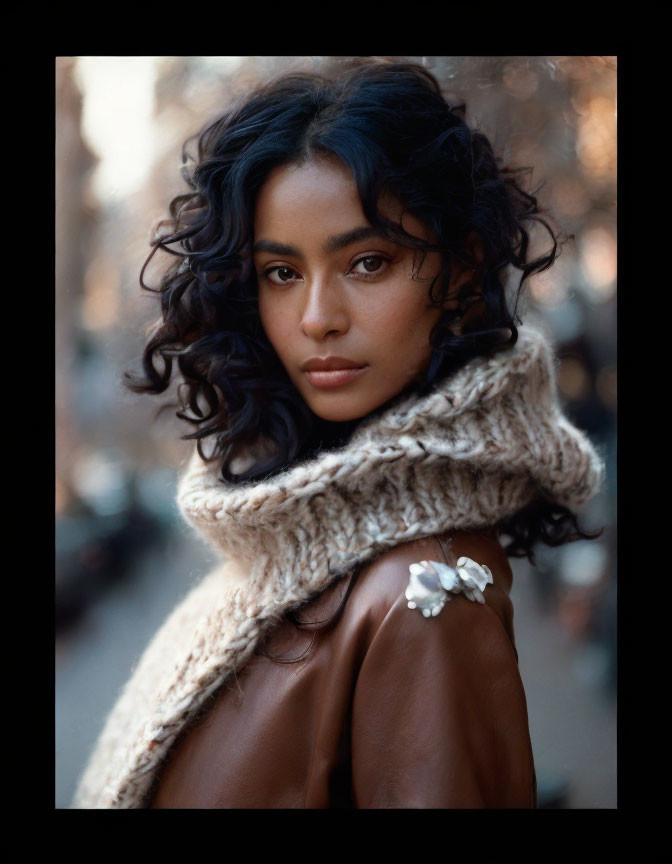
column 339, row 409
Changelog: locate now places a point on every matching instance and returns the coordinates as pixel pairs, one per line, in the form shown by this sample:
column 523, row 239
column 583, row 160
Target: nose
column 324, row 312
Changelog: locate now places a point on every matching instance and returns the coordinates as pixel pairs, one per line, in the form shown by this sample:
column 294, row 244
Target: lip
column 333, row 377
column 328, row 364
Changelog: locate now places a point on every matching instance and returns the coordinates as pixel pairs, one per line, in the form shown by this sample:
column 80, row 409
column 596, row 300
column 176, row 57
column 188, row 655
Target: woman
column 375, row 422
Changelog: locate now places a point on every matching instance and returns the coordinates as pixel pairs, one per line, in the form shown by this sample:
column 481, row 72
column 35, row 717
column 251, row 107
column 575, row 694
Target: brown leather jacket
column 388, row 709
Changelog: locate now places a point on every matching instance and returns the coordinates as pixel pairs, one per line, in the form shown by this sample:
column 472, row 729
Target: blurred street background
column 124, row 558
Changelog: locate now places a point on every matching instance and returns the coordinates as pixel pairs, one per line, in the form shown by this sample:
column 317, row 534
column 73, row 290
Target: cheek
column 274, row 323
column 402, row 324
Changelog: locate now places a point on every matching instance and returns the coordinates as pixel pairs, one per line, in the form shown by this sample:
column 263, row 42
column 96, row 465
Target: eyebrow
column 332, row 244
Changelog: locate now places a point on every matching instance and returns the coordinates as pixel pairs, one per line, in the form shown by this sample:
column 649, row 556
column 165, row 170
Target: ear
column 475, row 248
column 463, row 274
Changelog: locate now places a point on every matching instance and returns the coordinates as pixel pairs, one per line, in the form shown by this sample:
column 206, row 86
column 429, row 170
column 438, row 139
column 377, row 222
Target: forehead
column 323, row 190
column 319, row 196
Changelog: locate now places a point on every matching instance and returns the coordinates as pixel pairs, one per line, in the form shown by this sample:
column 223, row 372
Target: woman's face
column 329, row 286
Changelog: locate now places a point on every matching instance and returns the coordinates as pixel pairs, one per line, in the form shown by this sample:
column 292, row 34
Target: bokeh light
column 573, row 379
column 599, row 261
column 117, row 120
column 596, row 141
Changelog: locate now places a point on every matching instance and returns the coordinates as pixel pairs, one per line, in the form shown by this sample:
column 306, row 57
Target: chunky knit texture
column 477, row 449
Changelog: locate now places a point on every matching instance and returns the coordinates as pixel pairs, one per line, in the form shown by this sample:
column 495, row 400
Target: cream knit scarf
column 475, row 450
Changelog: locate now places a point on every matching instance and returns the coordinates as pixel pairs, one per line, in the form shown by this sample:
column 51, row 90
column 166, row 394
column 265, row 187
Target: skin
column 359, row 301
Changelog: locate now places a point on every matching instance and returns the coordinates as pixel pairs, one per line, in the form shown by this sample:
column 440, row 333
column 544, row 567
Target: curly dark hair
column 390, row 125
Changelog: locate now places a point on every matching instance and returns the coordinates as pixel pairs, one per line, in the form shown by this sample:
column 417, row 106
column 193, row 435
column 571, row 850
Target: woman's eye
column 367, row 267
column 371, row 265
column 279, row 275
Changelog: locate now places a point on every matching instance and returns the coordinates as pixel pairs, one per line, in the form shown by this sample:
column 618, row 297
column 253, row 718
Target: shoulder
column 439, row 716
column 387, row 577
column 382, row 583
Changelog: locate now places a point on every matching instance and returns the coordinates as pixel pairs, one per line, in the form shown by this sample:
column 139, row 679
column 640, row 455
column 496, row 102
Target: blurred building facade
column 76, row 226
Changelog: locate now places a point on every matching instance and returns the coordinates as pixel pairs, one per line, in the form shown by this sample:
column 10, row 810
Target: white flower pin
column 432, row 583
